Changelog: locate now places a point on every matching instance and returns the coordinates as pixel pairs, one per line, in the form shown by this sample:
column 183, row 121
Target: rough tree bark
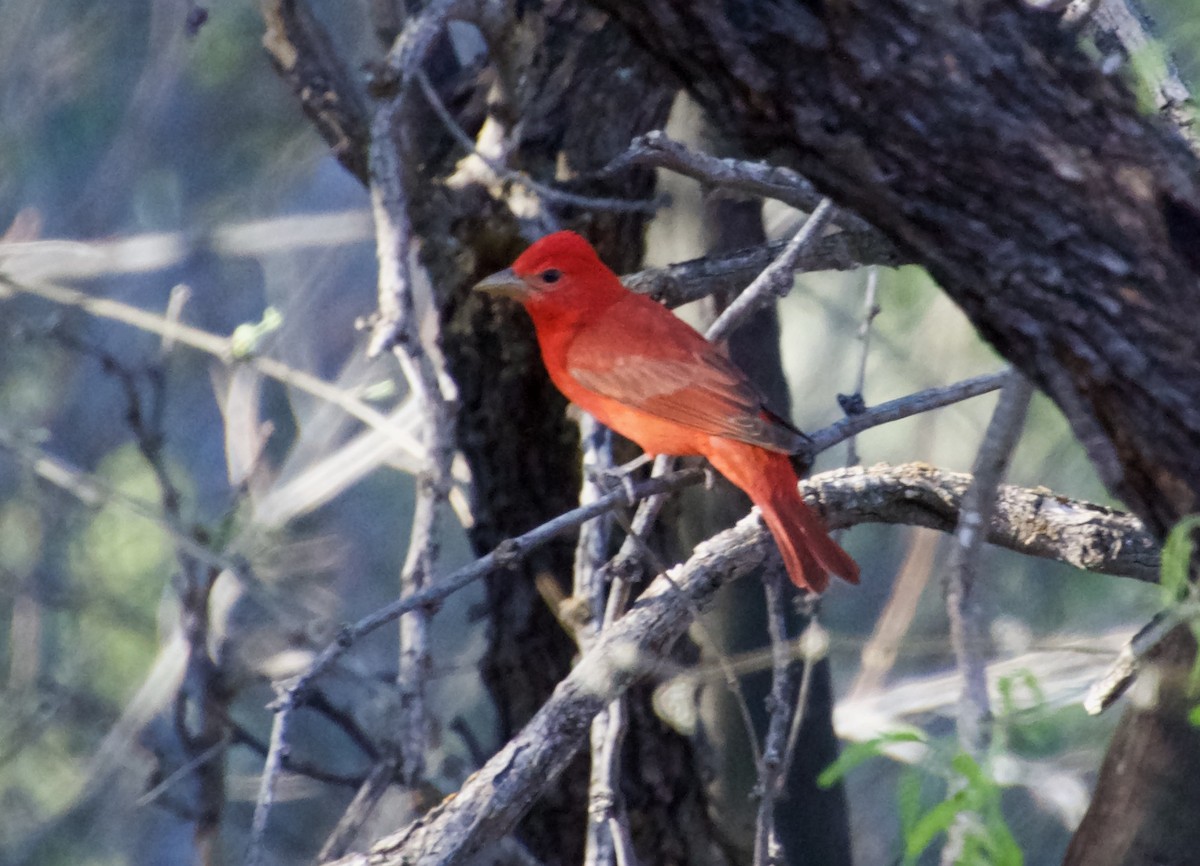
column 1061, row 219
column 996, row 153
column 581, row 90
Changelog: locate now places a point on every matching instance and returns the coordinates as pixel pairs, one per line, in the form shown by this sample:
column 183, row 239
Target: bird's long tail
column 768, row 478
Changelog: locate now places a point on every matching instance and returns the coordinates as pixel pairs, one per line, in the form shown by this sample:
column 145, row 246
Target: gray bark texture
column 994, row 150
column 977, row 136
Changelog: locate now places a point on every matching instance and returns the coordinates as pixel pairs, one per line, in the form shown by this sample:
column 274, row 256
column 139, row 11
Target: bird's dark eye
column 551, row 275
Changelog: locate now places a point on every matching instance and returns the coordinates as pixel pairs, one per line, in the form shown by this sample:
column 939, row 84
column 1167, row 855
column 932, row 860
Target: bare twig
column 772, row 767
column 183, row 771
column 854, row 404
column 608, row 837
column 967, row 624
column 777, row 279
column 219, row 348
column 396, row 329
column 240, row 736
column 1029, row 521
column 548, row 194
column 413, row 338
column 359, row 811
column 691, row 280
column 811, row 647
column 904, row 407
column 1125, row 25
column 656, row 149
column 591, row 552
column 1125, row 668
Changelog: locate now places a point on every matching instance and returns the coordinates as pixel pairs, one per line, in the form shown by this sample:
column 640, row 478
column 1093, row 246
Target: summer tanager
column 650, row 376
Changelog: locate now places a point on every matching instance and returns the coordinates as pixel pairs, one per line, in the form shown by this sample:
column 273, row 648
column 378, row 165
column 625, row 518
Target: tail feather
column 808, row 552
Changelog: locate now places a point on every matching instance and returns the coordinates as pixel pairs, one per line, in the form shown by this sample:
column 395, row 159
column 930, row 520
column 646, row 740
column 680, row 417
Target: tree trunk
column 580, row 97
column 1061, row 219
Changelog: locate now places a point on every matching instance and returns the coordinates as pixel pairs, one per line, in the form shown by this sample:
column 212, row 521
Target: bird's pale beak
column 506, row 284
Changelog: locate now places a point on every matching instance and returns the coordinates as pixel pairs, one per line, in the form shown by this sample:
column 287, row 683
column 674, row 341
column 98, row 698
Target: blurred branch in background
column 968, row 621
column 266, row 500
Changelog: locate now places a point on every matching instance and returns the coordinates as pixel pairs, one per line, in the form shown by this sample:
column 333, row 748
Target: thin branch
column 359, row 811
column 243, row 737
column 549, row 194
column 307, row 60
column 854, row 403
column 1033, row 522
column 220, row 348
column 414, row 340
column 590, row 587
column 1125, row 668
column 771, row 765
column 655, row 149
column 396, row 329
column 777, row 279
column 591, row 550
column 904, row 407
column 967, row 624
column 811, row 647
column 180, row 773
column 692, row 280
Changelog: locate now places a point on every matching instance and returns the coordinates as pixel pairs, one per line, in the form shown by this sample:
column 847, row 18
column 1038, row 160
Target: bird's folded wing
column 667, row 369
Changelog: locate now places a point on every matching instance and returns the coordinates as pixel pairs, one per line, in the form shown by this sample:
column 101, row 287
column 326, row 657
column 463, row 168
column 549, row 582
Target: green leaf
column 859, row 753
column 934, row 822
column 1003, row 845
column 1194, row 716
column 969, row 769
column 1177, row 558
column 246, row 337
column 1008, row 687
column 908, row 800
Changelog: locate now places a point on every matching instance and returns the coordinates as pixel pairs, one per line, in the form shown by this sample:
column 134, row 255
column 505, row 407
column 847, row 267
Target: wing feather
column 649, row 359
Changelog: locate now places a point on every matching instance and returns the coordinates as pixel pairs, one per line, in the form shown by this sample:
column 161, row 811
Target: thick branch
column 984, row 143
column 495, row 798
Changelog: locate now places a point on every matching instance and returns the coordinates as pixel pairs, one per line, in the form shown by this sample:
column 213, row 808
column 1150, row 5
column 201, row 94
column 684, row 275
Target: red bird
column 654, row 379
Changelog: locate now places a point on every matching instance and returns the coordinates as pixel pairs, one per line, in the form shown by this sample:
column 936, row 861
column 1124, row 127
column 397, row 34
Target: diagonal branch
column 488, row 806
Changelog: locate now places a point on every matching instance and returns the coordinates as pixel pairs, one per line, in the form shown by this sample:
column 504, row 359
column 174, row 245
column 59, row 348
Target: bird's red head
column 561, row 269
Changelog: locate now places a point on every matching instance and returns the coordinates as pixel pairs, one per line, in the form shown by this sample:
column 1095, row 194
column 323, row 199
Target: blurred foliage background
column 165, row 170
